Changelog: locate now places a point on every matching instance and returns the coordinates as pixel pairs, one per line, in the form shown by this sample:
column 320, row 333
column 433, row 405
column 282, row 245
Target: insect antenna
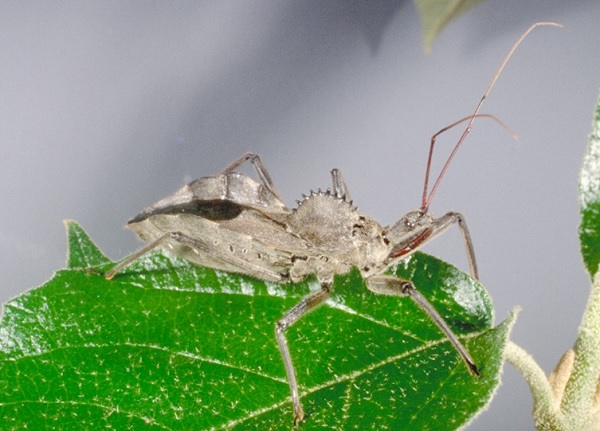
column 428, row 195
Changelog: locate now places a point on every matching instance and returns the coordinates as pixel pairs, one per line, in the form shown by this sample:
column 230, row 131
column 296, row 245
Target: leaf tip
column 435, row 15
column 589, row 198
column 82, row 252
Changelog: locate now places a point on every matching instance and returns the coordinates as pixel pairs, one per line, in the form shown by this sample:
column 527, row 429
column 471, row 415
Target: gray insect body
column 245, row 227
column 338, row 238
column 234, row 223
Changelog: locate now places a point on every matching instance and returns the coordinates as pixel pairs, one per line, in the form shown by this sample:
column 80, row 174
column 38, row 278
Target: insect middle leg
column 395, row 286
column 289, row 318
column 340, row 190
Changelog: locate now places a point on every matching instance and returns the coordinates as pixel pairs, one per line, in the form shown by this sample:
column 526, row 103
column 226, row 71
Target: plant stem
column 580, row 392
column 546, row 411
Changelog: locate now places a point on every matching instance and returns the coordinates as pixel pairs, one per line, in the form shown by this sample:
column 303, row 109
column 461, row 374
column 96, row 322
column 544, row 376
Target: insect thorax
column 339, row 235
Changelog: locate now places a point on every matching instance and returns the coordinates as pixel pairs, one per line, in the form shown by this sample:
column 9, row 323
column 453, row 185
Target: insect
column 233, row 223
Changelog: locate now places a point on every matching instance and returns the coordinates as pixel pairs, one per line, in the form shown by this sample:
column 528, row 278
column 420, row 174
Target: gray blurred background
column 108, row 106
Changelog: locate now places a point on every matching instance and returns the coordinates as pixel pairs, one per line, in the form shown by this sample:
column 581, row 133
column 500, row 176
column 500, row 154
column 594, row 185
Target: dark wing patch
column 215, row 210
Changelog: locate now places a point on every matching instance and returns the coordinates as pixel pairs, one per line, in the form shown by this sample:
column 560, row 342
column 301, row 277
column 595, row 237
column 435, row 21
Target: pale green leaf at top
column 435, row 14
column 589, row 199
column 167, row 345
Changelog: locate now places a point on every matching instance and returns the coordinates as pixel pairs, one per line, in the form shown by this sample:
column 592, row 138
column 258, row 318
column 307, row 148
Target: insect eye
column 410, row 221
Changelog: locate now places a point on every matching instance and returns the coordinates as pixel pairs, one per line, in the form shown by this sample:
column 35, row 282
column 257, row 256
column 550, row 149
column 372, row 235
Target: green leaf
column 435, row 14
column 171, row 346
column 83, row 253
column 589, row 199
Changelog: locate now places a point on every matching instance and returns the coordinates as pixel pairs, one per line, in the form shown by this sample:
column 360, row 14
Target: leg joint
column 176, row 236
column 406, row 287
column 280, row 326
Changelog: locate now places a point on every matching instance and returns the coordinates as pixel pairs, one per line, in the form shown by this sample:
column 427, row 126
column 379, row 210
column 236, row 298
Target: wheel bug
column 233, row 223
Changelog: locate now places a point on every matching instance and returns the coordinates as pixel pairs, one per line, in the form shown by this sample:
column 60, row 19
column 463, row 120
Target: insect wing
column 228, row 222
column 217, row 198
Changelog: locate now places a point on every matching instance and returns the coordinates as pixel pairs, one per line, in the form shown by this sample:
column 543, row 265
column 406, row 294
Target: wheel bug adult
column 233, row 223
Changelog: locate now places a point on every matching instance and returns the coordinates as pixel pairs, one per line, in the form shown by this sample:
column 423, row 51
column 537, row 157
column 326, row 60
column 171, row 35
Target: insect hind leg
column 260, row 169
column 180, row 238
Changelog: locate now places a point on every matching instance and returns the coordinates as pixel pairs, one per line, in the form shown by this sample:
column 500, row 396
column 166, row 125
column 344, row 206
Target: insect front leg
column 289, row 318
column 448, row 219
column 418, row 227
column 395, row 286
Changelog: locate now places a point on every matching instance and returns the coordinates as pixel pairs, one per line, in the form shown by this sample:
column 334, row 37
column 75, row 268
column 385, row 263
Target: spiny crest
column 324, row 196
column 324, row 219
